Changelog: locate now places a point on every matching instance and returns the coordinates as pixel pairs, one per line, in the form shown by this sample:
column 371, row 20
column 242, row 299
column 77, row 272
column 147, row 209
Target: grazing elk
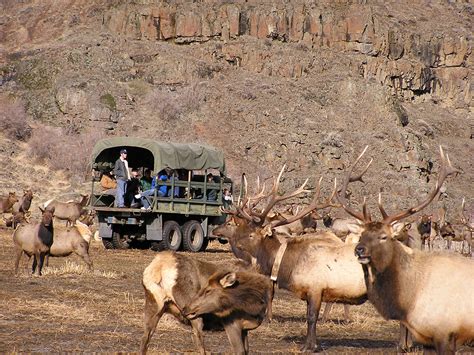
column 316, row 269
column 35, row 239
column 431, row 294
column 238, row 299
column 7, row 202
column 69, row 211
column 17, row 218
column 170, row 282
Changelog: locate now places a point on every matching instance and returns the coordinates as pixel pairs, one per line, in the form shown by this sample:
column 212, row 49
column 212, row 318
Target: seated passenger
column 174, row 177
column 161, row 190
column 226, row 198
column 211, row 193
column 146, row 180
column 133, row 188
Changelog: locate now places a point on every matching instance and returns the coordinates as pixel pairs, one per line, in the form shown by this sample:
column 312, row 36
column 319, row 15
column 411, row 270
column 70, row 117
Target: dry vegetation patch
column 72, row 309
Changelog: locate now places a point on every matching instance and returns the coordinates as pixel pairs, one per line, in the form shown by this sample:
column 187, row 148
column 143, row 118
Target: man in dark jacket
column 122, row 175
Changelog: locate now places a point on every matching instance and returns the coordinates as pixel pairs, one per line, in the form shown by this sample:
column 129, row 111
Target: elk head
column 376, row 241
column 249, row 225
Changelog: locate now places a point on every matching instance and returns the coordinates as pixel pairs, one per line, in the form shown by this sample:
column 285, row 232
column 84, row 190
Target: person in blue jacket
column 161, row 190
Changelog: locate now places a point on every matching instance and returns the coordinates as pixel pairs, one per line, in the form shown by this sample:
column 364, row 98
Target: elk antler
column 348, row 178
column 314, row 205
column 446, row 169
column 274, row 198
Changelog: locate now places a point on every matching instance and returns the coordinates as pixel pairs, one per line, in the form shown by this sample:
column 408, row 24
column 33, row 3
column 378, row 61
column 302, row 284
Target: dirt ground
column 71, row 309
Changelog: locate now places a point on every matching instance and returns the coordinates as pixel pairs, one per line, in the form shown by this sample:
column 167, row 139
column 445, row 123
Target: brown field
column 70, row 309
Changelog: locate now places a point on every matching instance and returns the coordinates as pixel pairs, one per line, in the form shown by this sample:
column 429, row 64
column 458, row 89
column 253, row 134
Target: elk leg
column 19, row 253
column 245, row 340
column 41, row 262
column 312, row 312
column 35, row 262
column 84, row 254
column 405, row 342
column 327, row 309
column 270, row 296
column 153, row 313
column 197, row 325
column 347, row 318
column 234, row 334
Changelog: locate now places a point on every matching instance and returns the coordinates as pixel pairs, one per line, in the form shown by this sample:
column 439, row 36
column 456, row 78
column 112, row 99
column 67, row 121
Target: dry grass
column 71, row 309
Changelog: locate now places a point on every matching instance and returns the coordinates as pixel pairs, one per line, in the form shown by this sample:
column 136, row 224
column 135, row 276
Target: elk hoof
column 311, row 348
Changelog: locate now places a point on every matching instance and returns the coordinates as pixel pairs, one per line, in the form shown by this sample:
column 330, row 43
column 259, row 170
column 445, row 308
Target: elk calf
column 238, row 299
column 170, row 282
column 35, row 239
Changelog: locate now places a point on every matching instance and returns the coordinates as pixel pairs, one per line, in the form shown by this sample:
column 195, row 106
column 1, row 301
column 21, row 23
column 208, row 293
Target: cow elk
column 316, row 268
column 68, row 240
column 238, row 299
column 35, row 239
column 68, row 211
column 171, row 281
column 431, row 294
column 7, row 202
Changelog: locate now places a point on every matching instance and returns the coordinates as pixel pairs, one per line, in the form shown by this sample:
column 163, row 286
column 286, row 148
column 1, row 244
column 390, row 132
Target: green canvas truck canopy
column 157, row 155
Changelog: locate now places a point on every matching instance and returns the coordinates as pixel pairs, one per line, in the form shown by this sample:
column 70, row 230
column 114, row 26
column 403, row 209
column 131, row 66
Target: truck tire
column 107, row 243
column 119, row 241
column 193, row 236
column 172, row 236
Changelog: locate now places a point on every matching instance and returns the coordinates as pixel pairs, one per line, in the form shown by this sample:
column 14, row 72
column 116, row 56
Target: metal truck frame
column 172, row 223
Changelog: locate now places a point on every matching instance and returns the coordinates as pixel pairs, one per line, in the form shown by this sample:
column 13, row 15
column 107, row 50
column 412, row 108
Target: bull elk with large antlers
column 318, row 269
column 431, row 294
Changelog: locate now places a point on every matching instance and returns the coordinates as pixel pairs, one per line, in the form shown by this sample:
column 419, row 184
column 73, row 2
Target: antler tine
column 446, row 169
column 274, row 198
column 348, row 179
column 365, row 211
column 314, row 205
column 259, row 196
column 382, row 210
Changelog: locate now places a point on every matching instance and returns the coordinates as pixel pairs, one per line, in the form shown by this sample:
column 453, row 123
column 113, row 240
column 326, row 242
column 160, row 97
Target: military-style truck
column 184, row 218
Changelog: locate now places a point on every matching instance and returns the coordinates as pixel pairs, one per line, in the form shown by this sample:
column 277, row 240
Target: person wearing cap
column 122, row 175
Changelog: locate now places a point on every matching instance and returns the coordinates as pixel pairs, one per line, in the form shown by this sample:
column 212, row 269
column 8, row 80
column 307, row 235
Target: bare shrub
column 61, row 151
column 171, row 105
column 13, row 119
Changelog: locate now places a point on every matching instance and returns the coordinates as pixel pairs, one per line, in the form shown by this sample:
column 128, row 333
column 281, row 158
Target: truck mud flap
column 105, row 230
column 154, row 228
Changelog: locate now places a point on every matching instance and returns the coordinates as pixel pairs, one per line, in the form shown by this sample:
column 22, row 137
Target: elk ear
column 228, row 280
column 267, row 231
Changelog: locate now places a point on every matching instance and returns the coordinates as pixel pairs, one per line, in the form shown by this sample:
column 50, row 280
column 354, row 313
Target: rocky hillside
column 302, row 83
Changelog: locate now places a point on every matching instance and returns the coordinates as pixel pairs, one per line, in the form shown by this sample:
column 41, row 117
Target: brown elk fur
column 69, row 211
column 317, row 270
column 24, row 203
column 7, row 202
column 238, row 299
column 170, row 282
column 431, row 294
column 68, row 240
column 34, row 239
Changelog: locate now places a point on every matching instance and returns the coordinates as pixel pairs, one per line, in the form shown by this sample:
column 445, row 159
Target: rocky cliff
column 302, row 83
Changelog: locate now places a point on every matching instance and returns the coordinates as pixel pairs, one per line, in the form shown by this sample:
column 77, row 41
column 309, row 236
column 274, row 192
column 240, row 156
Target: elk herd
column 349, row 261
column 42, row 239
